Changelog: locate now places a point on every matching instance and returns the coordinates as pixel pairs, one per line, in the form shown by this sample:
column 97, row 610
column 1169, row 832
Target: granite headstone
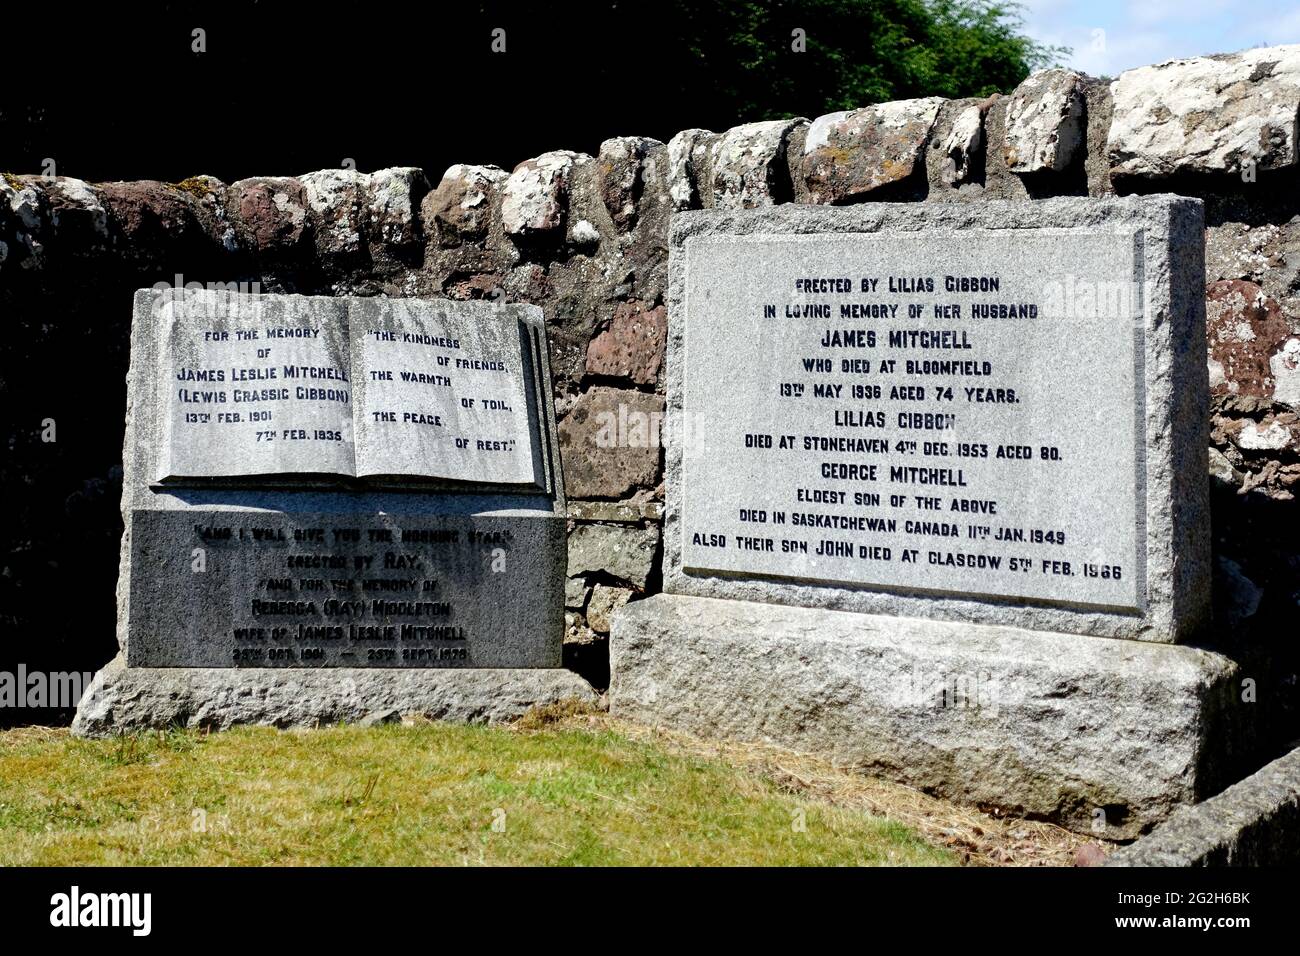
column 982, row 428
column 320, row 483
column 993, row 422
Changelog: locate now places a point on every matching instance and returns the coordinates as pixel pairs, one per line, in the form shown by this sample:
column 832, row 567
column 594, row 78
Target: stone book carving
column 310, row 390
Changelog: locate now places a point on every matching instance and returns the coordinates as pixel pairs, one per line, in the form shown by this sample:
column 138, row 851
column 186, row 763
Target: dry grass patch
column 562, row 788
column 977, row 838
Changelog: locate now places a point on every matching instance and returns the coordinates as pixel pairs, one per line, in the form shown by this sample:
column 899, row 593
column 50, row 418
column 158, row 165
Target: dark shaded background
column 285, row 89
column 282, row 91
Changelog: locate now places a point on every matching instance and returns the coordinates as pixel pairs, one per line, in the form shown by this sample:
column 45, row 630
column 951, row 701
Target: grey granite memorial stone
column 996, row 418
column 983, row 430
column 320, row 493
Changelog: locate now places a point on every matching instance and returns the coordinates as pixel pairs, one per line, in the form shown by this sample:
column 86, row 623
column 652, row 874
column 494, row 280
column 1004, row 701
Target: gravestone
column 334, row 507
column 982, row 431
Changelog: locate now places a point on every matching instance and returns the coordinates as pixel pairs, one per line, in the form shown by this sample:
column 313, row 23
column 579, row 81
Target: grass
column 573, row 792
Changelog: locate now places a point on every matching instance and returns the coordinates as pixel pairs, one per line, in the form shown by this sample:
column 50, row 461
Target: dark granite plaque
column 258, row 589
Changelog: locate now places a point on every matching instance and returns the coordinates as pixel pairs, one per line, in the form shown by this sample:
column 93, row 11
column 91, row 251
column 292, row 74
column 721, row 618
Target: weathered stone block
column 962, row 146
column 748, row 164
column 1273, row 433
column 1044, row 122
column 1246, row 332
column 1285, row 366
column 269, row 214
column 633, row 345
column 393, row 197
column 125, row 699
column 688, row 158
column 23, row 199
column 1081, row 730
column 850, row 154
column 535, row 197
column 336, row 199
column 578, row 634
column 1222, row 470
column 364, row 212
column 604, row 602
column 77, row 213
column 460, row 208
column 1267, row 254
column 1255, row 822
column 24, row 217
column 1207, row 114
column 150, row 216
column 209, row 195
column 620, row 166
column 624, row 552
column 575, row 593
column 640, row 507
column 610, row 443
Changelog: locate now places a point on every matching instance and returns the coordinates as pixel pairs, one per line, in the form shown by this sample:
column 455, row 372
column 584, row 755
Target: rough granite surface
column 1253, row 823
column 122, row 699
column 1207, row 114
column 1102, row 736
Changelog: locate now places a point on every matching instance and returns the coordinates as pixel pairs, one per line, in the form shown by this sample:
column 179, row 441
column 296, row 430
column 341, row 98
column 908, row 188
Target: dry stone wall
column 585, row 238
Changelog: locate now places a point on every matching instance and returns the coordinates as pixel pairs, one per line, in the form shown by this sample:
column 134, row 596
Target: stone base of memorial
column 937, row 502
column 1105, row 737
column 123, row 699
column 335, row 508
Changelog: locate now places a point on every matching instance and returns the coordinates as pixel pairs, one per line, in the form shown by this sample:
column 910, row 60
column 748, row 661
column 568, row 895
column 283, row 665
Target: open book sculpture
column 384, row 390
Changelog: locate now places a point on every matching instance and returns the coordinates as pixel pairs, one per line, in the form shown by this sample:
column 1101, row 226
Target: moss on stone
column 196, row 186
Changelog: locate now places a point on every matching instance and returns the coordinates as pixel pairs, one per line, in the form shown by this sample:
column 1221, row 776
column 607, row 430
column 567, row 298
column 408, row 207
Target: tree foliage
column 741, row 55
